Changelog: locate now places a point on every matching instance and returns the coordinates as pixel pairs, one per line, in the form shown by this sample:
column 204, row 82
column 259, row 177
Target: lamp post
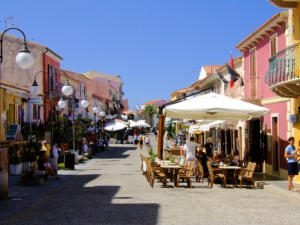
column 35, row 90
column 24, row 60
column 67, row 90
column 102, row 115
column 95, row 110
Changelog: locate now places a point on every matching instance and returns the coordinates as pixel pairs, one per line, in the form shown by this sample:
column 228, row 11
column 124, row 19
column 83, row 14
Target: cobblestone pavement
column 110, row 189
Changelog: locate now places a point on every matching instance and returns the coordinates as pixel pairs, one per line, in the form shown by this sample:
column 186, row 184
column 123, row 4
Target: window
column 273, row 44
column 84, row 90
column 36, row 112
column 252, row 56
column 79, row 90
column 56, row 81
column 49, row 77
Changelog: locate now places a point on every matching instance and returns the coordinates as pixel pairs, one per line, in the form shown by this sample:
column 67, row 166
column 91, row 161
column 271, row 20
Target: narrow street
column 110, row 189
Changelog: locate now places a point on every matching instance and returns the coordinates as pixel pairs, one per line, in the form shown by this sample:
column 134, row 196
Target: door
column 275, row 144
column 228, row 142
column 255, row 152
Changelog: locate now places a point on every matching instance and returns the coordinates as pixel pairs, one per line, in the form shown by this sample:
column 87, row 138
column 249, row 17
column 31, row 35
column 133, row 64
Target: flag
column 232, row 66
column 234, row 76
column 222, row 78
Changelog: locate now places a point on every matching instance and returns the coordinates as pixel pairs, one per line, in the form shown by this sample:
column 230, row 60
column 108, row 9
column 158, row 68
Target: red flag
column 232, row 65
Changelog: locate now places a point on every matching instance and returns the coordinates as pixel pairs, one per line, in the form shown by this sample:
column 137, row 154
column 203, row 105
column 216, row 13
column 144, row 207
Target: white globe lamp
column 84, row 103
column 24, row 58
column 67, row 90
column 62, row 104
column 95, row 109
column 102, row 114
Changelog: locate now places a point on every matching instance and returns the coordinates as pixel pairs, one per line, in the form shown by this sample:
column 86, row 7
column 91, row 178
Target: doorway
column 275, row 144
column 255, row 152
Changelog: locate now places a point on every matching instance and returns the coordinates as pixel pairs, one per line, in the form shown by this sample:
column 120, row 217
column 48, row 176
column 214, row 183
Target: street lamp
column 24, row 58
column 95, row 110
column 102, row 114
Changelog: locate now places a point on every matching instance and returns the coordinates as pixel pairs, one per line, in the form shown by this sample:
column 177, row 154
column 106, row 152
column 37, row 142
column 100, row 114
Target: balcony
column 283, row 76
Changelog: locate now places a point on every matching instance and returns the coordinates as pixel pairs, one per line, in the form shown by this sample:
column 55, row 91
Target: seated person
column 44, row 165
column 216, row 157
column 236, row 158
column 222, row 155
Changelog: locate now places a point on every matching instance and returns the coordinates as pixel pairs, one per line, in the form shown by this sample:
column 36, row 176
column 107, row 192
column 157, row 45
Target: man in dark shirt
column 209, row 148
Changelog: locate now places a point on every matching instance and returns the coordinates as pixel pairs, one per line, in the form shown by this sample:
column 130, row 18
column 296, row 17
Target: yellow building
column 289, row 86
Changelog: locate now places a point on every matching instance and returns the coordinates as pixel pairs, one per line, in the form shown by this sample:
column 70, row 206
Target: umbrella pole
column 161, row 131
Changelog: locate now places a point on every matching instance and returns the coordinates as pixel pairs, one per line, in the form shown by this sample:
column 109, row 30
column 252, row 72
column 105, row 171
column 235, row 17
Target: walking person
column 135, row 139
column 209, row 148
column 55, row 154
column 190, row 151
column 147, row 141
column 290, row 155
column 140, row 139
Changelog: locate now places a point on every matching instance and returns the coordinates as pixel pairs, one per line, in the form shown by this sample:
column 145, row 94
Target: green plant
column 150, row 110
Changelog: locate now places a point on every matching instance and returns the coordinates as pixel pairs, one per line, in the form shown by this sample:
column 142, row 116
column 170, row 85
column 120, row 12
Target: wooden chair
column 153, row 174
column 185, row 173
column 247, row 174
column 200, row 171
column 215, row 174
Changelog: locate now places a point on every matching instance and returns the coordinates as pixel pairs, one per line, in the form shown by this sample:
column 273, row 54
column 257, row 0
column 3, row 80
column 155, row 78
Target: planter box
column 15, row 169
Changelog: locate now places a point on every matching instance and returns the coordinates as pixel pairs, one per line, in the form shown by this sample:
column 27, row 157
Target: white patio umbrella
column 214, row 106
column 142, row 123
column 132, row 123
column 115, row 126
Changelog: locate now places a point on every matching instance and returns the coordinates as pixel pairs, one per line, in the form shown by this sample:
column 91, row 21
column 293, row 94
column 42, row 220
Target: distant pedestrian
column 135, row 139
column 147, row 141
column 291, row 155
column 140, row 139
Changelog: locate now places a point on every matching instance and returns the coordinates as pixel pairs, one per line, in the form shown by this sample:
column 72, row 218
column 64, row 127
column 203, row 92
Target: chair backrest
column 190, row 168
column 251, row 169
column 210, row 170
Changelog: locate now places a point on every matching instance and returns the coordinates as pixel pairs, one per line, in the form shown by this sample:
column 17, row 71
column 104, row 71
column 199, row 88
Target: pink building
column 266, row 136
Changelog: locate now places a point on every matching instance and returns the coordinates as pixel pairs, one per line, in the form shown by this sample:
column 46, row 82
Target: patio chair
column 214, row 174
column 200, row 171
column 155, row 174
column 185, row 173
column 247, row 174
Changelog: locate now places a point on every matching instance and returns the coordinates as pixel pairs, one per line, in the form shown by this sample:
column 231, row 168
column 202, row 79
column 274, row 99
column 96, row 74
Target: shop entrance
column 255, row 153
column 275, row 145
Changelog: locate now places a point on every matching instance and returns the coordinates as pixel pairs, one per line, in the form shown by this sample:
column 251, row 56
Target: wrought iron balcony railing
column 284, row 66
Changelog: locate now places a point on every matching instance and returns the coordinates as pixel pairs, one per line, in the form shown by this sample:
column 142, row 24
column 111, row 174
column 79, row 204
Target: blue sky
column 156, row 46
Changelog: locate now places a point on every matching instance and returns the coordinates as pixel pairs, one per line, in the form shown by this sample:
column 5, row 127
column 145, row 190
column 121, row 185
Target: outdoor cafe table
column 225, row 170
column 174, row 168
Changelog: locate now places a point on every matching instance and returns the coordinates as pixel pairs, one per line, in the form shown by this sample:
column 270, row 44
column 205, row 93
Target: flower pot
column 15, row 169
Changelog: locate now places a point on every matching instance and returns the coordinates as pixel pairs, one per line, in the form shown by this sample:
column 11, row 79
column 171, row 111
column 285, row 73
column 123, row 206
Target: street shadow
column 115, row 152
column 82, row 201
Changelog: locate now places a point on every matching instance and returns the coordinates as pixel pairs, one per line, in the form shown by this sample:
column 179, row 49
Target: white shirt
column 85, row 148
column 190, row 149
column 55, row 152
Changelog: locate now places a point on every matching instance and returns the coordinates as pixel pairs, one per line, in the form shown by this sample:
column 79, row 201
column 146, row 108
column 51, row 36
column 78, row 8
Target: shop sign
column 35, row 100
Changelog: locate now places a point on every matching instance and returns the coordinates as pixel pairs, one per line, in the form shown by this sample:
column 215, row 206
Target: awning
column 115, row 125
column 213, row 106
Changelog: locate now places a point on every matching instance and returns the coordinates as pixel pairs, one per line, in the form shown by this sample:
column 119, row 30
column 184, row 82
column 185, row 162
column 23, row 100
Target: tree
column 150, row 110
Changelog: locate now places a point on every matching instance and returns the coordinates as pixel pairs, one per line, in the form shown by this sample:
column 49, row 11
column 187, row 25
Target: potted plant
column 15, row 165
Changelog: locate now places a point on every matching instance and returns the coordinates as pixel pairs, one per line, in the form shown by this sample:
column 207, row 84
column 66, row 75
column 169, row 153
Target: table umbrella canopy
column 132, row 123
column 115, row 125
column 205, row 126
column 214, row 106
column 142, row 123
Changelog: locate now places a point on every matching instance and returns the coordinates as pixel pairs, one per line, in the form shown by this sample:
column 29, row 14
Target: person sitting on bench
column 44, row 165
